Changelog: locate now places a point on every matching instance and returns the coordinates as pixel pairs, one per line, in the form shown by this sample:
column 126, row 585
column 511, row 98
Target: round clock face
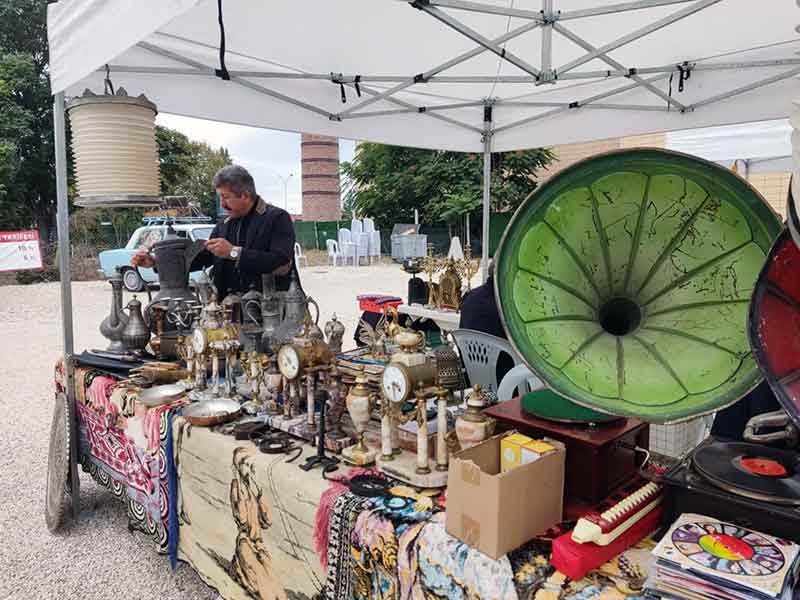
column 199, row 340
column 289, row 362
column 395, row 383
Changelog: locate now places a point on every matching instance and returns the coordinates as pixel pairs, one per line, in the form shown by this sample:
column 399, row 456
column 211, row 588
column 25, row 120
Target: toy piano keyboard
column 604, row 528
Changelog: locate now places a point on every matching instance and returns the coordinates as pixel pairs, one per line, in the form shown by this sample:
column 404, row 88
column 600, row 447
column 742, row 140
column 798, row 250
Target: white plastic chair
column 456, row 252
column 362, row 240
column 333, row 251
column 480, row 352
column 356, row 226
column 374, row 245
column 521, row 378
column 298, row 255
column 369, row 225
column 347, row 247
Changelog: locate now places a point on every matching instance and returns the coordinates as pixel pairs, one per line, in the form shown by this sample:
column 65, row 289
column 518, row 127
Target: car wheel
column 132, row 281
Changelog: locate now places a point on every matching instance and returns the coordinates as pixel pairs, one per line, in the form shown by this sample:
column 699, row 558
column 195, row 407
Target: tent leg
column 487, row 203
column 64, row 252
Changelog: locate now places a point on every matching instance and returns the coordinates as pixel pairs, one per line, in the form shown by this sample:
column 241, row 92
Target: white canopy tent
column 477, row 76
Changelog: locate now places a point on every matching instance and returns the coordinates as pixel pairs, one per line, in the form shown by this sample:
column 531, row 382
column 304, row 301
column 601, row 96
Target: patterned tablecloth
column 255, row 526
column 125, row 447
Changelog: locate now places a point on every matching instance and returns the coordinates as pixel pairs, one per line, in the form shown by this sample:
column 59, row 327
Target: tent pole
column 487, row 189
column 64, row 252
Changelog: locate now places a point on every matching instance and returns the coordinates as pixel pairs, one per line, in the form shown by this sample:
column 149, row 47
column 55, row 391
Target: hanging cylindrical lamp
column 115, row 152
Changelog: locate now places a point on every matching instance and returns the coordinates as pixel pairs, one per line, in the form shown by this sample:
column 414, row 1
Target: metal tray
column 212, row 412
column 161, row 394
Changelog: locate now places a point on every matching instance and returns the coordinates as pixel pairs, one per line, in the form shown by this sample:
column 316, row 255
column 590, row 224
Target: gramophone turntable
column 751, row 485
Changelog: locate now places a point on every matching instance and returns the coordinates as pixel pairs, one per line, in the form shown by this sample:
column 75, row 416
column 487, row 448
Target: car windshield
column 202, row 233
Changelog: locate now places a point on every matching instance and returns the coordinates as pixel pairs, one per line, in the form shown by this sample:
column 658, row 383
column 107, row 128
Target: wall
column 773, row 186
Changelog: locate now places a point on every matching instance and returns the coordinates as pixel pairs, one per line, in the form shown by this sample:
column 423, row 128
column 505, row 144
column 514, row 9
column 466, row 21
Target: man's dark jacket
column 266, row 236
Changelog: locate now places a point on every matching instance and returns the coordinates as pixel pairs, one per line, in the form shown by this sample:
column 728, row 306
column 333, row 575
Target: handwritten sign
column 19, row 250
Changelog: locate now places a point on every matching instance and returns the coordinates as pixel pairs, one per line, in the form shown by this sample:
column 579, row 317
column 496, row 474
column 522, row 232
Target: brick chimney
column 320, row 183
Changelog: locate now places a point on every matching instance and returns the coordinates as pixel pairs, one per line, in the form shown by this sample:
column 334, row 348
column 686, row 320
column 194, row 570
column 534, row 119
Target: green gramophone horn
column 624, row 283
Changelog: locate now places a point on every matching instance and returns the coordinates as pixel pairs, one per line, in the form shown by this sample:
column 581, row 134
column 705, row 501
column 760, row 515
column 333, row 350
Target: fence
column 312, row 235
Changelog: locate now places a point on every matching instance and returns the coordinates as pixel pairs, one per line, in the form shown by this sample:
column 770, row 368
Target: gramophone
column 623, row 284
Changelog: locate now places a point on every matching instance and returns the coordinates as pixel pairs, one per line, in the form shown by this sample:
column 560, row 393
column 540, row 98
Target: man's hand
column 219, row 247
column 143, row 259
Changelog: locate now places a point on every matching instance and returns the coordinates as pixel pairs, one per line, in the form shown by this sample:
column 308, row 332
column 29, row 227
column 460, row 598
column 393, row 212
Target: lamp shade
column 114, row 147
column 624, row 283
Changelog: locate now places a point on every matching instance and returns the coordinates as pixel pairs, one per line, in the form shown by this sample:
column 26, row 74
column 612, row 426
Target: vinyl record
column 751, row 470
column 774, row 323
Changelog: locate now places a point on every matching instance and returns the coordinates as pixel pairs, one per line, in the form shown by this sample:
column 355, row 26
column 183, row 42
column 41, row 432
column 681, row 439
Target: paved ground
column 98, row 558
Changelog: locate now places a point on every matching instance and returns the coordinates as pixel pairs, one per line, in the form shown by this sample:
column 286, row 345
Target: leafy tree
column 389, row 182
column 26, row 122
column 187, row 167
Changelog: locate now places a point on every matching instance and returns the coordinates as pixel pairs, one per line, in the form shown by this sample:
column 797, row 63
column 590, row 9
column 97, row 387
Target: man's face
column 237, row 206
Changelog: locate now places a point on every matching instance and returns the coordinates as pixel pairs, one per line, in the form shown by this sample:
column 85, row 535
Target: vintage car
column 144, row 237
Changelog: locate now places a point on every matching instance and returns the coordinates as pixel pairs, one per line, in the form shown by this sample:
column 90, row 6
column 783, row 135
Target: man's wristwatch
column 236, row 252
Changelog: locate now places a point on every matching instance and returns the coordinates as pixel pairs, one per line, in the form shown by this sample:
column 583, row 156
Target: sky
column 268, row 154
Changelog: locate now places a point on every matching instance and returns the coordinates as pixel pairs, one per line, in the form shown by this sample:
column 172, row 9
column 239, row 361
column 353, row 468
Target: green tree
column 388, row 182
column 187, row 167
column 27, row 183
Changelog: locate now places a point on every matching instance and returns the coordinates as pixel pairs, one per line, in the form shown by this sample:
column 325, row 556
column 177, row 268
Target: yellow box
column 518, row 449
column 534, row 450
column 511, row 451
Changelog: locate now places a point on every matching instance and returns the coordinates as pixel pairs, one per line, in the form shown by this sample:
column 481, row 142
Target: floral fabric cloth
column 397, row 548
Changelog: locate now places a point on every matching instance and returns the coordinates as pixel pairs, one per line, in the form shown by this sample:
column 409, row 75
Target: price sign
column 19, row 250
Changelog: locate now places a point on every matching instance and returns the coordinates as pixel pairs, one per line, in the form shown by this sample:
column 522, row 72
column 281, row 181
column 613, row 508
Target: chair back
column 298, row 250
column 356, row 226
column 369, row 225
column 344, row 236
column 333, row 247
column 479, row 353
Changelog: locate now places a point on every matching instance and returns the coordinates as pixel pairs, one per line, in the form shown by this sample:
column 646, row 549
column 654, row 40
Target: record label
column 763, row 466
column 728, row 549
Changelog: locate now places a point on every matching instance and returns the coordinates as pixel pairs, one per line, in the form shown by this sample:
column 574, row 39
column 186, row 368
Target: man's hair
column 235, row 178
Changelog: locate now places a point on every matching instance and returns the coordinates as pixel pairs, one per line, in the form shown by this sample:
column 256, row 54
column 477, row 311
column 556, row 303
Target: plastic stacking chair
column 298, row 255
column 333, row 251
column 347, row 247
column 519, row 378
column 480, row 352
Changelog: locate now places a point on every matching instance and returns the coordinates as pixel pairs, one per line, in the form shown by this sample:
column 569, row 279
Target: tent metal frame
column 549, row 19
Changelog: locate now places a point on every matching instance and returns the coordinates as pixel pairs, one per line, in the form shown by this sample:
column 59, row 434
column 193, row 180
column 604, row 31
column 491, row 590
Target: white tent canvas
column 478, row 76
column 570, row 70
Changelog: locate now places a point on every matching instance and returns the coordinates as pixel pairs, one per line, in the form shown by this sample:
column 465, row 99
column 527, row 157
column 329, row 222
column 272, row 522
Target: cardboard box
column 497, row 512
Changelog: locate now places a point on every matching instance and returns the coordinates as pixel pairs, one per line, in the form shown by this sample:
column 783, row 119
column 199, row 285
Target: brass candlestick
column 468, row 267
column 431, row 264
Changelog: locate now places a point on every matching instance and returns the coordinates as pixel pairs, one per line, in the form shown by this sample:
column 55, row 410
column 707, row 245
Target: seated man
column 479, row 313
column 256, row 238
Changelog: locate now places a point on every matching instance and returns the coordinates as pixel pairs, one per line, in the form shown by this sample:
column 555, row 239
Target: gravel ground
column 97, row 558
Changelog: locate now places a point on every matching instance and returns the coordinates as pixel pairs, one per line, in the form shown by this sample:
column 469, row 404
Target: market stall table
column 446, row 320
column 253, row 525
